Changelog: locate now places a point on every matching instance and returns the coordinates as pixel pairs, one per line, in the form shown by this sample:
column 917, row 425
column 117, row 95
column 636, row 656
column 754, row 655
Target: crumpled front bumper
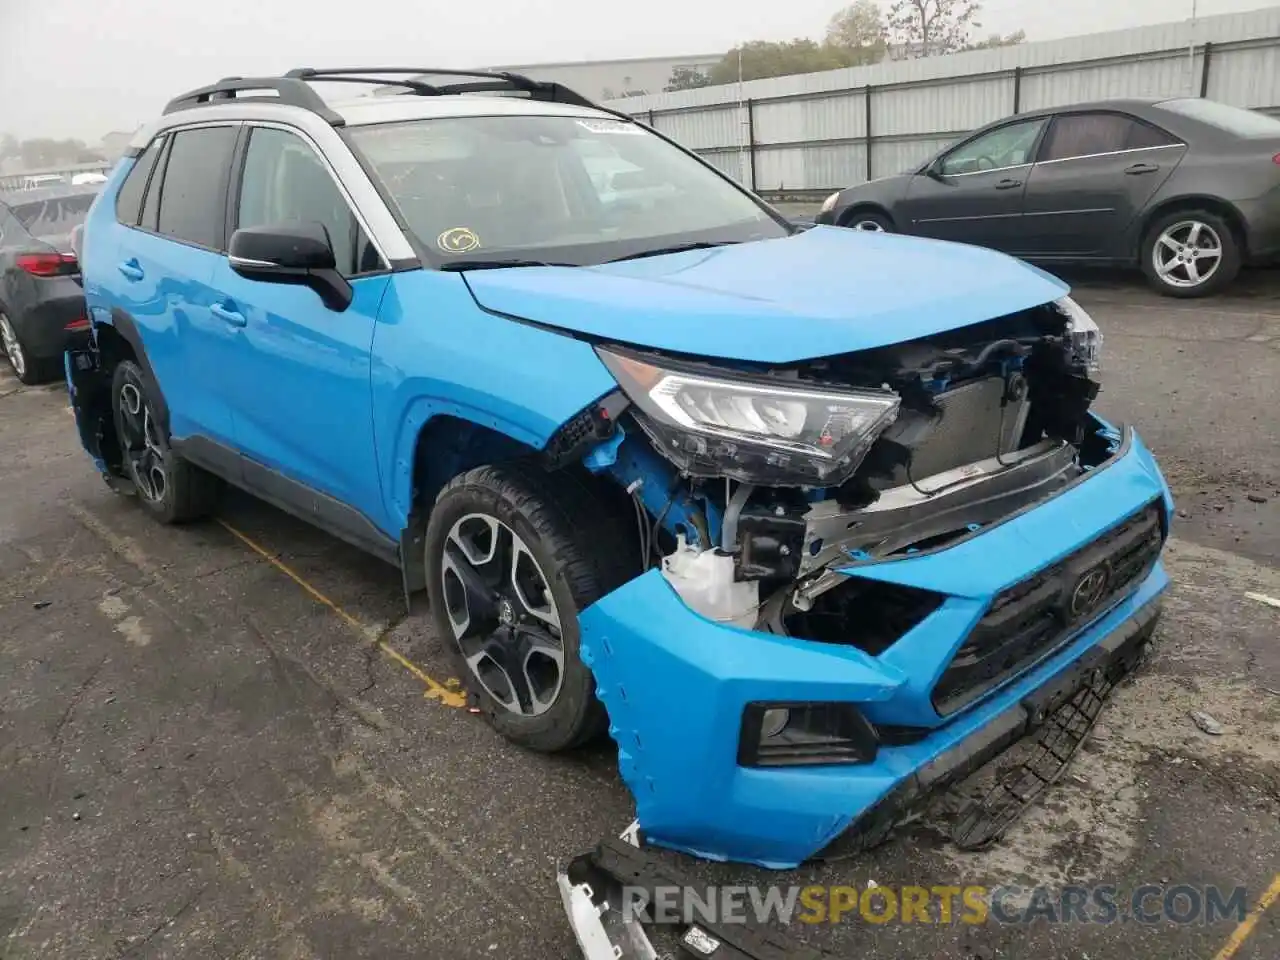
column 676, row 684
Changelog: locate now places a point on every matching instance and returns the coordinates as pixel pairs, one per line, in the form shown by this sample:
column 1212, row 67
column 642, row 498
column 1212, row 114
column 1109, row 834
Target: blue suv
column 810, row 521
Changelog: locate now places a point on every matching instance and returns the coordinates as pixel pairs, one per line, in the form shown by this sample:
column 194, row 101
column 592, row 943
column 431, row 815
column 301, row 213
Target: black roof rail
column 294, row 87
column 288, row 90
column 484, row 81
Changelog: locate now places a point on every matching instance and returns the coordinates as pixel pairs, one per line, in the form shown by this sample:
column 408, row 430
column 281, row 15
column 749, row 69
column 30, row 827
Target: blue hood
column 822, row 292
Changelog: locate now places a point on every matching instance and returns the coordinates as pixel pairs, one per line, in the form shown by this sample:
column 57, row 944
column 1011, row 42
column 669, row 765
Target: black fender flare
column 127, row 328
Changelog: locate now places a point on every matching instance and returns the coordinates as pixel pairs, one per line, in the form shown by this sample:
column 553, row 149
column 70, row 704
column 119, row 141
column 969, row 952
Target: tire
column 168, row 487
column 28, row 369
column 1169, row 238
column 582, row 548
column 867, row 220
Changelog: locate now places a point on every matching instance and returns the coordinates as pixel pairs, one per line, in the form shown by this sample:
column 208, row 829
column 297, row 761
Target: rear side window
column 54, row 217
column 129, row 199
column 1089, row 134
column 193, row 194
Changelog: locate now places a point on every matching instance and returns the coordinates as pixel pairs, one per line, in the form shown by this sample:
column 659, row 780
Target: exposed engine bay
column 886, row 452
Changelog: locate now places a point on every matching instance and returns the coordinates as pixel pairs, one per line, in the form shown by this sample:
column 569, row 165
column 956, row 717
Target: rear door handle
column 227, row 315
column 130, row 270
column 1008, row 184
column 1139, row 168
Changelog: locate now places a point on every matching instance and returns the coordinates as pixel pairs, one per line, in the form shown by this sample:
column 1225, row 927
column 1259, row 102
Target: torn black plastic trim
column 1043, row 711
column 615, row 865
column 584, row 430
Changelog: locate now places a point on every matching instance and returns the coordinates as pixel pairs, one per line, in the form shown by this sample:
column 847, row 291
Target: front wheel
column 512, row 554
column 868, row 221
column 1190, row 253
column 169, row 488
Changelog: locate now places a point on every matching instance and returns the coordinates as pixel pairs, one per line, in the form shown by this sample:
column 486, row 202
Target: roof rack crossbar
column 288, row 90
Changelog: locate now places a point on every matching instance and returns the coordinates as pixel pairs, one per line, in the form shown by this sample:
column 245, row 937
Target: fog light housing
column 773, row 722
column 805, row 734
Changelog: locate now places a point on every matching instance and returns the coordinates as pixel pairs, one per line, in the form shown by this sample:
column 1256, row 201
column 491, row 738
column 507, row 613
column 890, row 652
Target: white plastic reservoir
column 704, row 580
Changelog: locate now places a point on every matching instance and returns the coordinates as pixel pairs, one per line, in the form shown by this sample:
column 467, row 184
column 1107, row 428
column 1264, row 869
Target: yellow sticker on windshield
column 458, row 240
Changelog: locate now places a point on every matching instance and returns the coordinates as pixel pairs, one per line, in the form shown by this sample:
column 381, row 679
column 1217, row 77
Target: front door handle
column 130, row 270
column 1140, row 168
column 227, row 315
column 1008, row 184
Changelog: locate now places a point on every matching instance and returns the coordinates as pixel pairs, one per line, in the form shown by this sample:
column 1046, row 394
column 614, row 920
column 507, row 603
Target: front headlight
column 829, row 204
column 755, row 431
column 1083, row 337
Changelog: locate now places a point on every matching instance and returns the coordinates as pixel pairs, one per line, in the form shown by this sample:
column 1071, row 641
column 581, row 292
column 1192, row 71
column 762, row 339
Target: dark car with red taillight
column 41, row 298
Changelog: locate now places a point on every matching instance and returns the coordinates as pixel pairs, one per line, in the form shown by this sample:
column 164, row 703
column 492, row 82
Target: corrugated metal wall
column 810, row 132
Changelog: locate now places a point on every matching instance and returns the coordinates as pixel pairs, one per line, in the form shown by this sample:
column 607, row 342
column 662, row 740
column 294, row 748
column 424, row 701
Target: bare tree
column 925, row 28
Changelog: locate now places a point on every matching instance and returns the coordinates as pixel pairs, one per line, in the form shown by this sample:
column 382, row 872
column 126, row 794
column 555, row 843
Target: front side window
column 577, row 190
column 193, row 193
column 1007, row 146
column 284, row 181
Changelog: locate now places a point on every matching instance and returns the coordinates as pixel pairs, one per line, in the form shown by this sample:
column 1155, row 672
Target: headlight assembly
column 753, row 430
column 1083, row 337
column 829, row 204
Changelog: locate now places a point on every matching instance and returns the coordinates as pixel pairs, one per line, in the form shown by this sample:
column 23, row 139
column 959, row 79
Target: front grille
column 1034, row 617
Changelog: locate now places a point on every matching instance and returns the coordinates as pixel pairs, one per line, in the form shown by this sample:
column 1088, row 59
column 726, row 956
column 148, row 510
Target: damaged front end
column 856, row 566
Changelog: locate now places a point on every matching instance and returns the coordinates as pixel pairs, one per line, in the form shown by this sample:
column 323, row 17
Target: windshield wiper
column 459, row 265
column 675, row 248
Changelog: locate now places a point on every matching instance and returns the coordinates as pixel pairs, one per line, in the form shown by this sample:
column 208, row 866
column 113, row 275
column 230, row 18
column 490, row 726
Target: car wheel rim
column 140, row 442
column 870, row 226
column 12, row 348
column 1187, row 254
column 503, row 614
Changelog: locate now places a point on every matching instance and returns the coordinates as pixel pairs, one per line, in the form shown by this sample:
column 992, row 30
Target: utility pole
column 1191, row 52
column 742, row 125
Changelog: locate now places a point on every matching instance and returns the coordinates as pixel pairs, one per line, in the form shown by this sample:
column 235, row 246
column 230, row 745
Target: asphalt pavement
column 227, row 740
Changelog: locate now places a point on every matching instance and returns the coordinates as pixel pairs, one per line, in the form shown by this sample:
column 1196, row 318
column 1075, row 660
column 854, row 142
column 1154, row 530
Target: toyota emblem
column 1088, row 592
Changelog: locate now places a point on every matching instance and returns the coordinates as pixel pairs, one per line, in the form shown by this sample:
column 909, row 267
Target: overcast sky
column 84, row 67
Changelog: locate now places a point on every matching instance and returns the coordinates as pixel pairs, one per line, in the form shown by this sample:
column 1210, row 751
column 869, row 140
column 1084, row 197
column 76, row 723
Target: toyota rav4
column 809, row 521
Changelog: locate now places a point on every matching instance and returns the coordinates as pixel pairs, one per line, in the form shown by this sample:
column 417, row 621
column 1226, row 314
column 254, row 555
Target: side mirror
column 934, row 170
column 296, row 252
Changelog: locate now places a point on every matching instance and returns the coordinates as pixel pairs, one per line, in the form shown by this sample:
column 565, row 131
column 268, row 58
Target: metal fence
column 818, row 132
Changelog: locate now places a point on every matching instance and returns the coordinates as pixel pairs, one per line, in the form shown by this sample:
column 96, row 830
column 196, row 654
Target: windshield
column 1236, row 120
column 577, row 190
column 54, row 217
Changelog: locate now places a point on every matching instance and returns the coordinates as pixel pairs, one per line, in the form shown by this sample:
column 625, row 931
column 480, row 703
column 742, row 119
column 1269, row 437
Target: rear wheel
column 169, row 488
column 1190, row 253
column 513, row 553
column 868, row 220
column 30, row 370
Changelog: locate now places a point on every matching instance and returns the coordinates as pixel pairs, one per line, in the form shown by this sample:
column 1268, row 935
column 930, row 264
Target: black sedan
column 1187, row 189
column 41, row 300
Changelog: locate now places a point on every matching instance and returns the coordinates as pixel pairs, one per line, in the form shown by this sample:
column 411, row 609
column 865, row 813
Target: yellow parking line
column 435, row 689
column 1241, row 933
